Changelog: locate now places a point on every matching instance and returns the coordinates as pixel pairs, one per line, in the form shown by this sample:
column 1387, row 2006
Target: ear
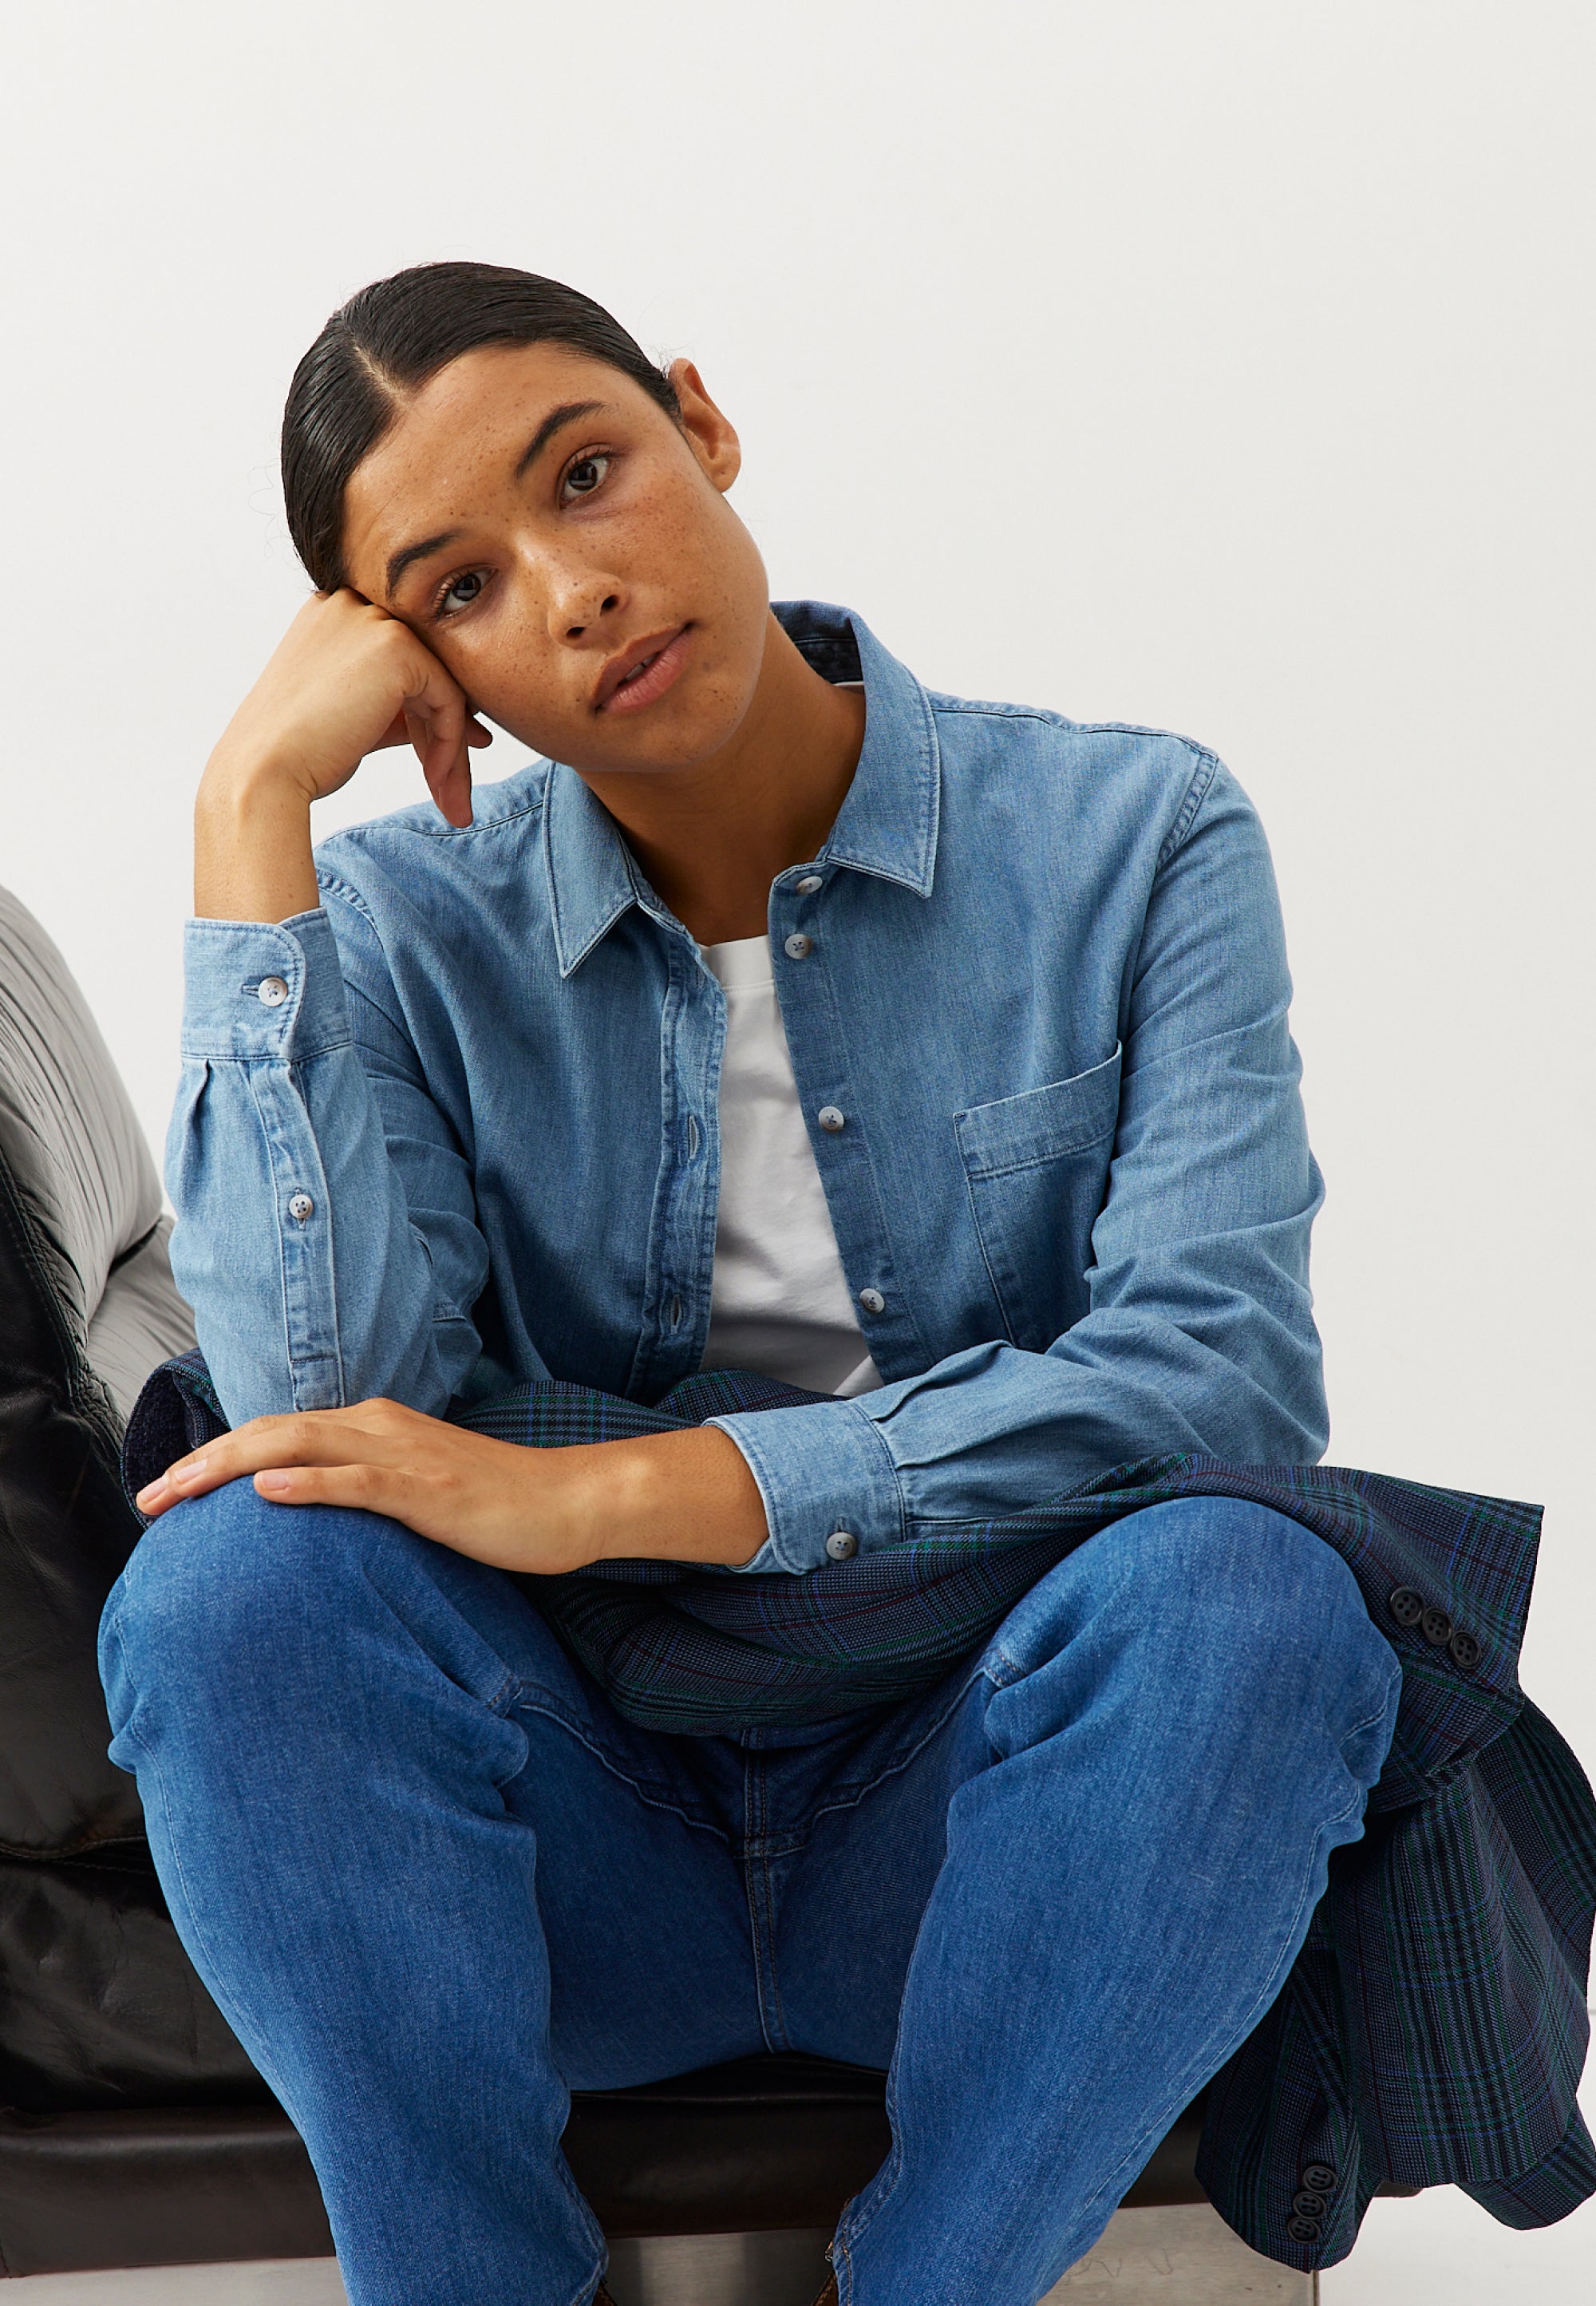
column 709, row 433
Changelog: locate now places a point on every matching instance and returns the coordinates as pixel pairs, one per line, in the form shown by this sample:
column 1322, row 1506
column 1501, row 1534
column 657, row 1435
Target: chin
column 653, row 752
column 673, row 735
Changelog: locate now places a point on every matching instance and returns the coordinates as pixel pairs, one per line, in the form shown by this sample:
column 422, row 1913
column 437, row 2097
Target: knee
column 1211, row 1607
column 1225, row 1575
column 219, row 1592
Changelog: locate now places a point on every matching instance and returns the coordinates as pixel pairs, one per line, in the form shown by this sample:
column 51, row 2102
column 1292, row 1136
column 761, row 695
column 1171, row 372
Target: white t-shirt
column 779, row 1299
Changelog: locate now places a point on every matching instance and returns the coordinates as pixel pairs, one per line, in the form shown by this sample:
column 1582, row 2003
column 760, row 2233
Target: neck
column 712, row 838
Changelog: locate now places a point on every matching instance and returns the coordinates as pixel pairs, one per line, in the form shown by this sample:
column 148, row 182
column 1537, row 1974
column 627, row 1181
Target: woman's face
column 569, row 552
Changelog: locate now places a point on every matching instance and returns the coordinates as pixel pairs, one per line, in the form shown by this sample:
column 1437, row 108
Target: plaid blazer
column 1433, row 2028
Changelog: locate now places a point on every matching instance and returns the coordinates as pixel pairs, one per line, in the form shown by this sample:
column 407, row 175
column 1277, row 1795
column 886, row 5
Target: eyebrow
column 566, row 413
column 555, row 421
column 402, row 560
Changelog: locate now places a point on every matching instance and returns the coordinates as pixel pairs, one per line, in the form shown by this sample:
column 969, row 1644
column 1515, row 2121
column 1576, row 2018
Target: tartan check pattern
column 1433, row 2028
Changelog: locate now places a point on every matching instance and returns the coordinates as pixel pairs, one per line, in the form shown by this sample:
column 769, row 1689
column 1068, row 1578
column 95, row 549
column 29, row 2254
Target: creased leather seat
column 134, row 2130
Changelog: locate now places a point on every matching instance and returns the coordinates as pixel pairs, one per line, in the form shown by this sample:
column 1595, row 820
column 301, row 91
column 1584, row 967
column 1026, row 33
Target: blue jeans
column 435, row 1881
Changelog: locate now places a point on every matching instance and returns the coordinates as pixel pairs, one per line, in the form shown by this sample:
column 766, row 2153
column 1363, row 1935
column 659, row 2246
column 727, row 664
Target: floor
column 1440, row 2250
column 1437, row 2250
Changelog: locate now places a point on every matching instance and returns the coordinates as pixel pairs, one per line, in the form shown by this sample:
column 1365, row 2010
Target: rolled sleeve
column 821, row 1469
column 225, row 966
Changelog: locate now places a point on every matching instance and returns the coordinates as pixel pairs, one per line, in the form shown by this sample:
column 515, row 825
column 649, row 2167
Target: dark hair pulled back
column 385, row 343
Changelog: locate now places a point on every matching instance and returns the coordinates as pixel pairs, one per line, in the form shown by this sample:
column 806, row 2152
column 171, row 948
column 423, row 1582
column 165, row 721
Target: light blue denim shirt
column 458, row 1127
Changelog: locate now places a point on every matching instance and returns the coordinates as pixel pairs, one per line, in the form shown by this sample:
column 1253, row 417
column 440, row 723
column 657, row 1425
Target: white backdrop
column 1225, row 365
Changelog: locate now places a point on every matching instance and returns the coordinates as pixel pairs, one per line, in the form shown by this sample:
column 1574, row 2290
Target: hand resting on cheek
column 346, row 679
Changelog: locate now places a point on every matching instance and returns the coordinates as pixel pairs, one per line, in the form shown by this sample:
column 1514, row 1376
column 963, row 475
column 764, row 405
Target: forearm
column 667, row 1497
column 297, row 1240
column 994, row 1430
column 686, row 1496
column 1199, row 1335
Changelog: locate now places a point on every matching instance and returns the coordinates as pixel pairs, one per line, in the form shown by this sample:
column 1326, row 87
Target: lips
column 635, row 675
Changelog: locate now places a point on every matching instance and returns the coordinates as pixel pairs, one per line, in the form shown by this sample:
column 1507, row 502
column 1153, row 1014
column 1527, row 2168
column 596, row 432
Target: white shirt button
column 831, row 1120
column 798, row 947
column 808, row 884
column 872, row 1301
column 271, row 993
column 841, row 1545
column 300, row 1206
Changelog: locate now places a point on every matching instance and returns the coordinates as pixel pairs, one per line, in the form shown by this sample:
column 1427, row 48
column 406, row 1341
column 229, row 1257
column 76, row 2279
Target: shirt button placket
column 832, row 1119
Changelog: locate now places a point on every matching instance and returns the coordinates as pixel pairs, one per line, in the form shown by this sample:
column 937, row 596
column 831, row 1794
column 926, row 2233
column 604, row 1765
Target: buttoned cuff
column 823, row 1471
column 262, row 989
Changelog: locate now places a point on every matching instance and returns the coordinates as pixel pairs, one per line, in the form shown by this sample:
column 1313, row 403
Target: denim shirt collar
column 887, row 824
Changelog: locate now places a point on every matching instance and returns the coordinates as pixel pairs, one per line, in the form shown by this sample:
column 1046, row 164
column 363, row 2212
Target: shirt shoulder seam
column 1206, row 770
column 333, row 885
column 974, row 707
column 1206, row 762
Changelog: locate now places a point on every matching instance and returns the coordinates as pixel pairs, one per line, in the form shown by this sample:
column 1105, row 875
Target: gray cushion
column 138, row 1322
column 79, row 1159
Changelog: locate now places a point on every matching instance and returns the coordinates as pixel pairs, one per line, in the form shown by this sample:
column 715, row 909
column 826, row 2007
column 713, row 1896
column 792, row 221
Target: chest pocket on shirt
column 1036, row 1167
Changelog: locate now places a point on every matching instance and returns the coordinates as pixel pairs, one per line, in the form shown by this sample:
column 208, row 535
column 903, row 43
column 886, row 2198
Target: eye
column 460, row 592
column 586, row 474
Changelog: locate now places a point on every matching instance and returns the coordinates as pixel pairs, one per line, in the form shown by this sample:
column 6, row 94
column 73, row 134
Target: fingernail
column 274, row 1480
column 188, row 1472
column 150, row 1491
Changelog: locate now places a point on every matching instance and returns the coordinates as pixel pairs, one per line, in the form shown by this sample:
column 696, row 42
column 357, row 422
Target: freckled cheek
column 510, row 671
column 672, row 528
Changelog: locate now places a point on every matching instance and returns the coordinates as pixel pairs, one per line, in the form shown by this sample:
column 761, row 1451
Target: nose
column 579, row 599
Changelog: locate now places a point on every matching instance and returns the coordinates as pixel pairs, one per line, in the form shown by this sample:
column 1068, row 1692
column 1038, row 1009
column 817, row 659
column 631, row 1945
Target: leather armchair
column 134, row 2130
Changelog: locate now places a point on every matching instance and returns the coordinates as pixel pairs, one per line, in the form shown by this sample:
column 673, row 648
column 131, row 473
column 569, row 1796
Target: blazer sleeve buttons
column 1409, row 1609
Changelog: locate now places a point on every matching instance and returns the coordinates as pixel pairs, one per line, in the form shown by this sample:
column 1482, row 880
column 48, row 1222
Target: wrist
column 620, row 1496
column 580, row 1497
column 253, row 857
column 239, row 782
